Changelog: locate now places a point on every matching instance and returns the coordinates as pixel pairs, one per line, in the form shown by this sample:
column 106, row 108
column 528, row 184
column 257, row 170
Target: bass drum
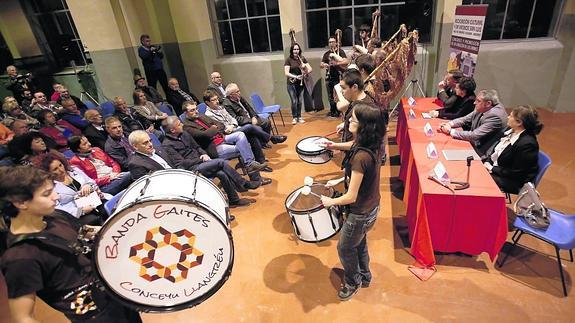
column 168, row 245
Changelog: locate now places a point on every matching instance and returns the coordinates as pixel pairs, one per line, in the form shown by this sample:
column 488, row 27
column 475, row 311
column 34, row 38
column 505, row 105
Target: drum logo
column 165, row 254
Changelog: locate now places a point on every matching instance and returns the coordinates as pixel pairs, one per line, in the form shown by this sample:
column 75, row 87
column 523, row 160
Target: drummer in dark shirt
column 353, row 91
column 40, row 261
column 361, row 174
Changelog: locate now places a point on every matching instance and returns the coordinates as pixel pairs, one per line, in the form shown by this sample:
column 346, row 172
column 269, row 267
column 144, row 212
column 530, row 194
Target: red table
column 471, row 221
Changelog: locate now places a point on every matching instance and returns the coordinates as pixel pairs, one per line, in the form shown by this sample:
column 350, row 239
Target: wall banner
column 466, row 38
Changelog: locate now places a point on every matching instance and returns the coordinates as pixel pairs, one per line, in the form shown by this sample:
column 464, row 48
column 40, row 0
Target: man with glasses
column 241, row 110
column 486, row 123
column 217, row 85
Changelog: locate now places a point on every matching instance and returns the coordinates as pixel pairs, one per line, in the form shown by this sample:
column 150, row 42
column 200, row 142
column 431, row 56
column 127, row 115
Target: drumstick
column 306, row 190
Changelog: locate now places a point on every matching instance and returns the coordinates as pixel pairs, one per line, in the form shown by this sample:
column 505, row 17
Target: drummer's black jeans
column 352, row 247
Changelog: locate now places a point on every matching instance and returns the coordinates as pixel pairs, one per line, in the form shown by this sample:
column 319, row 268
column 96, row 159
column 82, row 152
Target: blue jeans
column 352, row 247
column 294, row 92
column 233, row 143
column 256, row 137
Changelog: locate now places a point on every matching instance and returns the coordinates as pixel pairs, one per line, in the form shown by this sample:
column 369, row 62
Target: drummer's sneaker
column 278, row 139
column 346, row 292
column 294, row 121
column 300, row 120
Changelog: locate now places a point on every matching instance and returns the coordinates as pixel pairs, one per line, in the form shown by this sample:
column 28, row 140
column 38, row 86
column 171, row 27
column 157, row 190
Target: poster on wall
column 466, row 38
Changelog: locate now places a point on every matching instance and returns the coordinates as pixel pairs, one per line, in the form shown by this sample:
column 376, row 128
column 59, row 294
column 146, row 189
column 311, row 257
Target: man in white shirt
column 147, row 158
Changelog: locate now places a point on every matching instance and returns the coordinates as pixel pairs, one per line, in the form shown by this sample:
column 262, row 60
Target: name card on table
column 411, row 101
column 428, row 130
column 431, row 151
column 411, row 114
column 426, row 115
column 440, row 173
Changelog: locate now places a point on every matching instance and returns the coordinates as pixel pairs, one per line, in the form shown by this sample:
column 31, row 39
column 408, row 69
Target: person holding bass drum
column 46, row 256
column 295, row 67
column 361, row 174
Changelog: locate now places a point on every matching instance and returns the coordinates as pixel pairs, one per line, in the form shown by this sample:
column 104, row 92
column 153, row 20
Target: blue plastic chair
column 107, row 109
column 202, row 107
column 270, row 109
column 110, row 205
column 167, row 109
column 155, row 140
column 544, row 162
column 90, row 104
column 183, row 117
column 560, row 234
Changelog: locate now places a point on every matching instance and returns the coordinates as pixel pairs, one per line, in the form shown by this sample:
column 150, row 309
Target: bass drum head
column 163, row 256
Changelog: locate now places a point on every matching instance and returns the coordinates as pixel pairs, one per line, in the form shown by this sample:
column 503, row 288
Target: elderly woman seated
column 463, row 104
column 513, row 161
column 98, row 165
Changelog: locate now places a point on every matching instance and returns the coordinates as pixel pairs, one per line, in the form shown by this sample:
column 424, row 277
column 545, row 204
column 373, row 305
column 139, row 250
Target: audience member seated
column 6, row 136
column 256, row 135
column 73, row 114
column 65, row 94
column 177, row 96
column 27, row 99
column 148, row 110
column 26, row 149
column 486, row 123
column 146, row 158
column 241, row 110
column 40, row 102
column 211, row 136
column 446, row 88
column 514, row 160
column 129, row 118
column 152, row 94
column 98, row 165
column 55, row 97
column 95, row 131
column 14, row 112
column 464, row 101
column 185, row 153
column 71, row 183
column 217, row 85
column 117, row 145
column 59, row 131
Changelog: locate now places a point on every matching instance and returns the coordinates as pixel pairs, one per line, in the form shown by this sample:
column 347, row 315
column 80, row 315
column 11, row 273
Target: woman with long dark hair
column 361, row 174
column 295, row 67
column 514, row 160
column 40, row 260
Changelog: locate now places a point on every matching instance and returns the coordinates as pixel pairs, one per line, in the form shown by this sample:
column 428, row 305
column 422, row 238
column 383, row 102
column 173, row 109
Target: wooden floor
column 277, row 278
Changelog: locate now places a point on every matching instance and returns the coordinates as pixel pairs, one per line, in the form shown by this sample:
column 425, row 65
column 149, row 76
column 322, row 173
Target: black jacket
column 184, row 151
column 235, row 110
column 176, row 99
column 204, row 137
column 96, row 137
column 517, row 164
column 141, row 165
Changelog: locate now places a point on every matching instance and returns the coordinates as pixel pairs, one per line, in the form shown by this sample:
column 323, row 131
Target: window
column 516, row 19
column 323, row 17
column 247, row 26
column 55, row 31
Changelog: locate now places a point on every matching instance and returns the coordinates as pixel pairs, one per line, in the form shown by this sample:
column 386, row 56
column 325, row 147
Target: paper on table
column 411, row 101
column 92, row 199
column 411, row 114
column 426, row 115
column 431, row 151
column 460, row 154
column 440, row 173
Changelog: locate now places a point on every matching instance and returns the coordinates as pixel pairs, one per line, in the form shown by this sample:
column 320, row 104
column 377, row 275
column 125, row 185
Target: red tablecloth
column 471, row 221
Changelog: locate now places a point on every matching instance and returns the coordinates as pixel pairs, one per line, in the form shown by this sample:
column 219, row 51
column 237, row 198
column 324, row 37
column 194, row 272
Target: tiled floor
column 277, row 278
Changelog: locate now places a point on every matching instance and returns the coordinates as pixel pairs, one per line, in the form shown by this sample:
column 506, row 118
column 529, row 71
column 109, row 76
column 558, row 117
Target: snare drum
column 168, row 245
column 311, row 221
column 309, row 151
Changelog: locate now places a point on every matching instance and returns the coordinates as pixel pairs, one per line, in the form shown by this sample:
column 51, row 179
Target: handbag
column 530, row 207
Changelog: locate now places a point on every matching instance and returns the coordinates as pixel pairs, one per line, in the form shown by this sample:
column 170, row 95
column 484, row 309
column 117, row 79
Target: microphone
column 464, row 185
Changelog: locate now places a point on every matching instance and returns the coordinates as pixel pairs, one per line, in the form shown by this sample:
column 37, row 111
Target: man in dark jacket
column 185, row 153
column 117, row 145
column 240, row 109
column 152, row 56
column 176, row 96
column 95, row 132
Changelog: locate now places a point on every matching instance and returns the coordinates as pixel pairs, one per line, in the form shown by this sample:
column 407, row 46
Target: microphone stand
column 464, row 185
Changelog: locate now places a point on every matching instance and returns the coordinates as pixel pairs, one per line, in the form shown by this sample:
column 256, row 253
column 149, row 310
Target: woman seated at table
column 71, row 183
column 98, row 165
column 513, row 161
column 463, row 105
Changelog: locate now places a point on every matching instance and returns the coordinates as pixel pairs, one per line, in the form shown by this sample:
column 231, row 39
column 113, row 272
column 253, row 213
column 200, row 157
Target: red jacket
column 89, row 168
column 60, row 139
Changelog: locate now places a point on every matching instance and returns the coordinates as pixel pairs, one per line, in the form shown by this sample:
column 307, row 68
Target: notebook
column 460, row 154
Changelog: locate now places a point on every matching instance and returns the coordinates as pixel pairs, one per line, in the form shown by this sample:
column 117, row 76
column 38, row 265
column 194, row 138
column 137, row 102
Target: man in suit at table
column 486, row 123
